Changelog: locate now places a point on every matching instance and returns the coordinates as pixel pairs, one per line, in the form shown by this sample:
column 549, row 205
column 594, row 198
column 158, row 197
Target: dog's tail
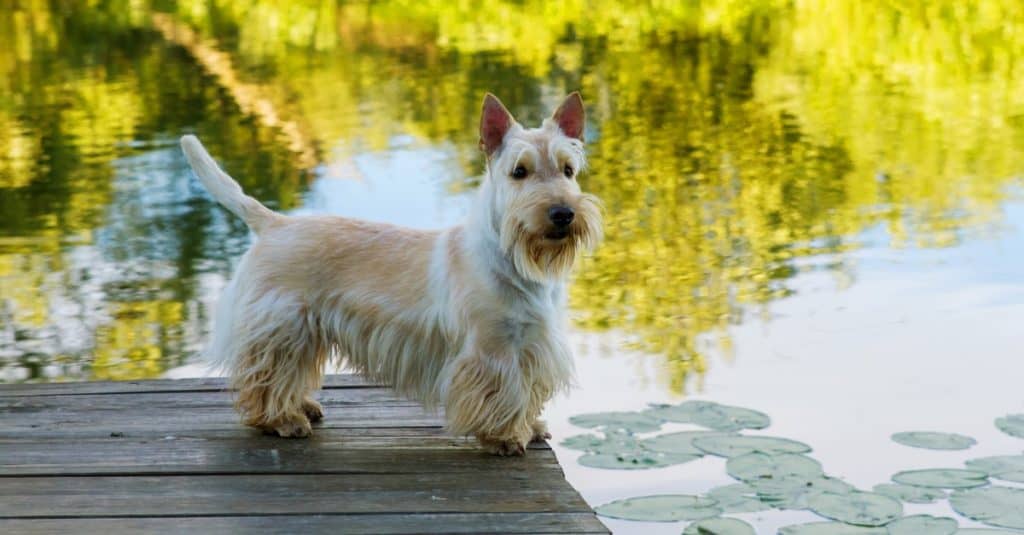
column 224, row 188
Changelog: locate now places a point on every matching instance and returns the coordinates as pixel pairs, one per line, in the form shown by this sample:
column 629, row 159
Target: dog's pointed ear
column 495, row 122
column 570, row 116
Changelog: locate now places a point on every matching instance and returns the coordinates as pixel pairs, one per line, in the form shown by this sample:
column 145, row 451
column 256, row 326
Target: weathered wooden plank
column 205, row 384
column 399, row 437
column 152, row 414
column 184, row 400
column 336, row 454
column 170, row 456
column 384, row 524
column 155, row 414
column 269, row 494
column 190, row 422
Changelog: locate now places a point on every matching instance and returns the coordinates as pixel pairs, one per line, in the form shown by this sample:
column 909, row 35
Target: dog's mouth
column 558, row 234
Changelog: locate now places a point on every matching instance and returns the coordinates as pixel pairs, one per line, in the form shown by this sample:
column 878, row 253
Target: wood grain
column 169, row 456
column 382, row 524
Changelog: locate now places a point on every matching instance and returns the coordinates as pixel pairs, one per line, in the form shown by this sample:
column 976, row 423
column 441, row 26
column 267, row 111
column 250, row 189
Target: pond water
column 811, row 211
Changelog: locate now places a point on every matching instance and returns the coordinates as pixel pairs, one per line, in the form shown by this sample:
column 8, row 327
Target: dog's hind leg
column 276, row 379
column 273, row 400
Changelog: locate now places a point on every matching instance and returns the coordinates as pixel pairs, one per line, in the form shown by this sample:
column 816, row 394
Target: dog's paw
column 298, row 427
column 314, row 410
column 540, row 431
column 504, row 448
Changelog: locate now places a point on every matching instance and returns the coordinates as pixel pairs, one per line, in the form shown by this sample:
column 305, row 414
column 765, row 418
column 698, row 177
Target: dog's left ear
column 495, row 121
column 570, row 116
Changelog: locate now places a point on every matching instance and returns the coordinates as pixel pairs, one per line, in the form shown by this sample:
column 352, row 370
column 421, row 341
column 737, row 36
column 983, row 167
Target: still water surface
column 813, row 212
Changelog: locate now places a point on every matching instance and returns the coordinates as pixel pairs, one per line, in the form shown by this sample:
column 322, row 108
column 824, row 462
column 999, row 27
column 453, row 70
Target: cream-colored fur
column 469, row 318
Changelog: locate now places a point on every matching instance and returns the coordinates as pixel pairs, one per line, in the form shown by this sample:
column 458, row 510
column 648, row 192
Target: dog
column 470, row 318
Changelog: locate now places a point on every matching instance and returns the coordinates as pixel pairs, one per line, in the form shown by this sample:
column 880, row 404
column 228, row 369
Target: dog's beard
column 541, row 259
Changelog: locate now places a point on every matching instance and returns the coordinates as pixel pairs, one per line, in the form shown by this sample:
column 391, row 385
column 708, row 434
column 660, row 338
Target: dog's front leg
column 487, row 396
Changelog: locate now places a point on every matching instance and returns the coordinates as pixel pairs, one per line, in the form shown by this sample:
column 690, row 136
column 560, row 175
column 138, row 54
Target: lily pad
column 1012, row 424
column 857, row 508
column 719, row 526
column 711, row 415
column 735, row 445
column 1005, row 467
column 610, row 443
column 638, row 460
column 942, row 478
column 922, row 525
column 830, row 528
column 984, row 531
column 636, row 422
column 681, row 442
column 793, row 492
column 933, row 440
column 909, row 493
column 737, row 498
column 661, row 508
column 995, row 506
column 754, row 466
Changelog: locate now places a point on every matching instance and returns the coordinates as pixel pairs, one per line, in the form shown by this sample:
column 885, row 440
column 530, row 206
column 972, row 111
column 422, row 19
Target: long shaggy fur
column 469, row 318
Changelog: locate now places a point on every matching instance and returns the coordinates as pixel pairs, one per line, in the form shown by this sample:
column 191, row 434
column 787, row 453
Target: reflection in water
column 735, row 145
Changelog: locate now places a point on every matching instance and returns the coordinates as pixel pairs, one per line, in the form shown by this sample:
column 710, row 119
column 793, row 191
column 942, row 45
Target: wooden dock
column 169, row 456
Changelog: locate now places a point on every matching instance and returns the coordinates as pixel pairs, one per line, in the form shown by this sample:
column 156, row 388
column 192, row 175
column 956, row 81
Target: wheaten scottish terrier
column 469, row 318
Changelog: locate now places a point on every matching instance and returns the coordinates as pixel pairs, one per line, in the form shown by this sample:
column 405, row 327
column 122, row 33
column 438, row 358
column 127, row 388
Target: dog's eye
column 568, row 171
column 519, row 172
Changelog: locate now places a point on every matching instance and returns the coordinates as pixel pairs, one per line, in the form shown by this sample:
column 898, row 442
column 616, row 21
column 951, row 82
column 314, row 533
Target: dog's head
column 535, row 204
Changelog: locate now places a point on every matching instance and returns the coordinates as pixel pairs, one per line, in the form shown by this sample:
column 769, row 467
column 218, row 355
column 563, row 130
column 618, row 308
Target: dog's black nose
column 561, row 215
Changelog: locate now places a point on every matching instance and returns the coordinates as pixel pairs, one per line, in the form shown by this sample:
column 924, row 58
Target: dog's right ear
column 495, row 121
